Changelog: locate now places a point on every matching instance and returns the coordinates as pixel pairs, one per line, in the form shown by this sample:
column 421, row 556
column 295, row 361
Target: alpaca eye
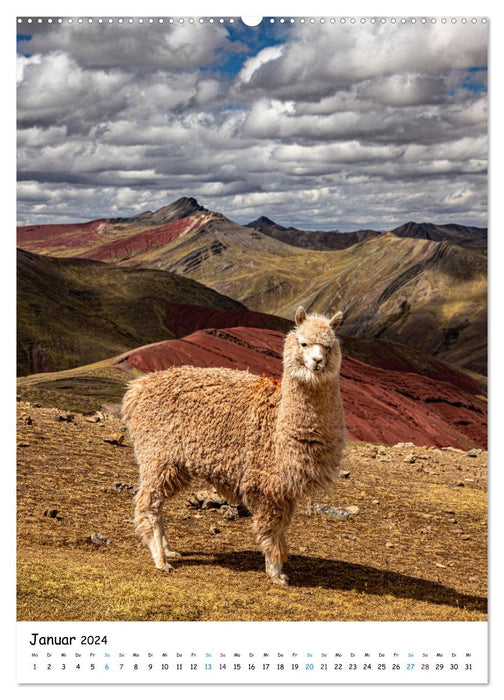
column 303, row 345
column 328, row 348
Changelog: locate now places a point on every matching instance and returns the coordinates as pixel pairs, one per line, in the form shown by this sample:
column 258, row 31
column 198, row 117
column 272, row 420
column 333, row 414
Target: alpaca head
column 312, row 352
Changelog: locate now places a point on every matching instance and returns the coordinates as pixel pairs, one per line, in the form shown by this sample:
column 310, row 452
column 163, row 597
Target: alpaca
column 259, row 442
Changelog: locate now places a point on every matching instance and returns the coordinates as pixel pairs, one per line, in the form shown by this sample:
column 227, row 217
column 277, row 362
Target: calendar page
column 251, row 349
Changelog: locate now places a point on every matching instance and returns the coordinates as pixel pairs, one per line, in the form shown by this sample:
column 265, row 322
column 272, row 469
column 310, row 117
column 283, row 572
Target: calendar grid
column 207, row 653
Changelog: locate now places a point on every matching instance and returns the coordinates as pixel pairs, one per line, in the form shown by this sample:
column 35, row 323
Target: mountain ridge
column 428, row 294
column 71, row 311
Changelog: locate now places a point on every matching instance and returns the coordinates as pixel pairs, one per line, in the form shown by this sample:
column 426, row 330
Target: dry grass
column 415, row 551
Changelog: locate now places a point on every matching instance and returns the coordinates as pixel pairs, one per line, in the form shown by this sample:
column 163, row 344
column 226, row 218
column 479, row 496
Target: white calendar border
column 227, row 8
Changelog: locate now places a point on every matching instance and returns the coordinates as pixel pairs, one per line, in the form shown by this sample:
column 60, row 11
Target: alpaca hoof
column 282, row 580
column 168, row 568
column 172, row 554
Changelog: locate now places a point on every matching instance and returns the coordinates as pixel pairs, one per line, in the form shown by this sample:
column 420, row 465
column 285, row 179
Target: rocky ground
column 402, row 535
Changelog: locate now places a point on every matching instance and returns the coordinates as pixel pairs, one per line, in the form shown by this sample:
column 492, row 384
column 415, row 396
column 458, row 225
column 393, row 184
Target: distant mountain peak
column 180, row 209
column 187, row 201
column 263, row 222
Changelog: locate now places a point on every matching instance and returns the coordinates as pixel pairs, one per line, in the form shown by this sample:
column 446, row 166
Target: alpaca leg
column 275, row 555
column 269, row 527
column 149, row 523
column 149, row 519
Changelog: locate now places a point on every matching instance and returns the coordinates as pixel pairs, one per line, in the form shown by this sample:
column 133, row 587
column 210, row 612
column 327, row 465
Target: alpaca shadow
column 305, row 572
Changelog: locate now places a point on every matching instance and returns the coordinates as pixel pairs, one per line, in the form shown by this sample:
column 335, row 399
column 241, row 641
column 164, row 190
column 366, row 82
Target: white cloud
column 170, row 47
column 271, row 53
column 317, row 61
column 338, row 126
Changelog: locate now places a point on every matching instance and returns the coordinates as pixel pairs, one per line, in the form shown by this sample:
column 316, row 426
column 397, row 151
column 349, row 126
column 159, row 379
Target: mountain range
column 102, row 300
column 316, row 240
column 470, row 237
column 421, row 285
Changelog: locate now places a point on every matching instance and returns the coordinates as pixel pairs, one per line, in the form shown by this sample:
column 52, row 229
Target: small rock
column 389, row 545
column 375, row 502
column 28, row 420
column 307, row 592
column 115, row 439
column 330, row 511
column 99, row 539
column 373, row 452
column 186, row 516
column 22, row 443
column 453, row 449
column 353, row 510
column 473, row 453
column 441, row 566
column 64, row 417
column 213, row 501
column 114, row 409
column 404, row 444
column 51, row 513
column 382, row 451
column 214, row 531
column 206, row 500
column 465, row 537
column 92, row 419
column 228, row 512
column 459, row 483
column 119, row 486
column 344, row 474
column 410, row 459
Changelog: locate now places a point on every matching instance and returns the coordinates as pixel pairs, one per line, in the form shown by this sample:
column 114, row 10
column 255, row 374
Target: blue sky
column 319, row 125
column 254, row 39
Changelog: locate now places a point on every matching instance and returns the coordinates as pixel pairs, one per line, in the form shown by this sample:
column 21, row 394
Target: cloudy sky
column 318, row 125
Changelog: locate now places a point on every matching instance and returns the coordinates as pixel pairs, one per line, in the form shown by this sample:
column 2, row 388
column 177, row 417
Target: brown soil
column 415, row 550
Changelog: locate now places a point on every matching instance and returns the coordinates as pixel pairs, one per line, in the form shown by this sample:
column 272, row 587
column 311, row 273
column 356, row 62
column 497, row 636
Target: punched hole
column 251, row 21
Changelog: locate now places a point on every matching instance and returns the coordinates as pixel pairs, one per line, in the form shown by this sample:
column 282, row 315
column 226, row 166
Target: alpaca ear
column 300, row 316
column 336, row 320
